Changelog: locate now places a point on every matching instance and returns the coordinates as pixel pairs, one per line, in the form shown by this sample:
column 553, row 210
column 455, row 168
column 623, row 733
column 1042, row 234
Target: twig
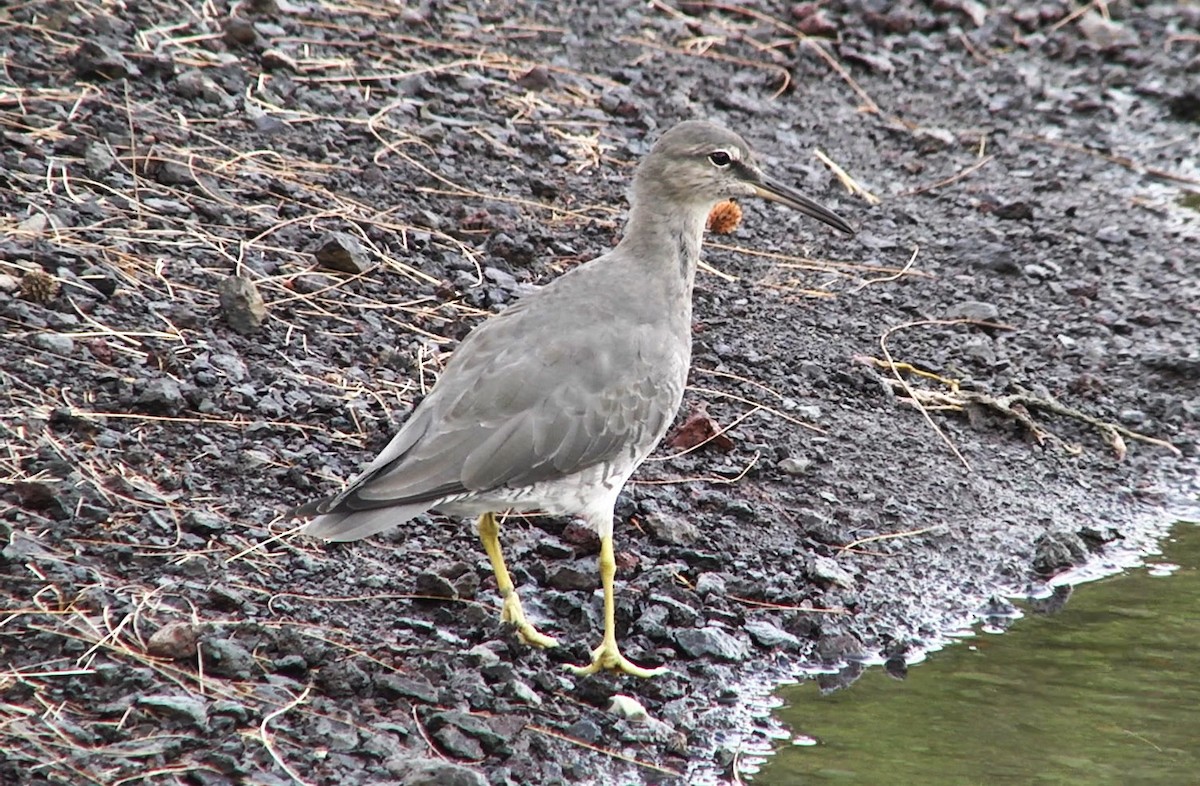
column 899, row 273
column 265, row 734
column 883, row 339
column 854, row 544
column 949, row 180
column 850, row 183
column 597, row 749
column 1124, row 161
column 784, row 607
column 425, row 736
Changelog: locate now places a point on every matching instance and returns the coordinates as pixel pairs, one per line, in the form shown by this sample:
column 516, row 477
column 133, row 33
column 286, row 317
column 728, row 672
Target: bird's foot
column 607, row 656
column 514, row 613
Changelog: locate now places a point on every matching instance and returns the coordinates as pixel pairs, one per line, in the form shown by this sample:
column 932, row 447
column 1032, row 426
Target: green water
column 1105, row 691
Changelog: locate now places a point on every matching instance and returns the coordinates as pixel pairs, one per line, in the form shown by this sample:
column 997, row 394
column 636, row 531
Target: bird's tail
column 356, row 524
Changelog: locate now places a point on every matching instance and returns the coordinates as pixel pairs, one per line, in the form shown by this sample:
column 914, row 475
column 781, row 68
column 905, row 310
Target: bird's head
column 696, row 164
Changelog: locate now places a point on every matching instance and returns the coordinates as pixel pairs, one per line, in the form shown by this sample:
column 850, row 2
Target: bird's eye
column 720, row 158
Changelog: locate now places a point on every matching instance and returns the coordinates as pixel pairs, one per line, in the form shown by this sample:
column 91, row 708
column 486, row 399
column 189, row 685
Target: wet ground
column 1094, row 691
column 1035, row 243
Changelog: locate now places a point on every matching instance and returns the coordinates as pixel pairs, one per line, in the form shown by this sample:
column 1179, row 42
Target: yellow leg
column 607, row 655
column 489, row 533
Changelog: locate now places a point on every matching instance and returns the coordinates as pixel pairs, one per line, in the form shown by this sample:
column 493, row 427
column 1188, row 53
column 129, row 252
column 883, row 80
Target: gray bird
column 553, row 403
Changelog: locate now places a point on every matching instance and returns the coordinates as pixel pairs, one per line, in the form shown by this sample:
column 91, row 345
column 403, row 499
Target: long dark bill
column 785, row 195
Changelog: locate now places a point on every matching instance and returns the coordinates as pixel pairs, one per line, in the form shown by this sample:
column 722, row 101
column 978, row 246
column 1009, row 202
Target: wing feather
column 529, row 396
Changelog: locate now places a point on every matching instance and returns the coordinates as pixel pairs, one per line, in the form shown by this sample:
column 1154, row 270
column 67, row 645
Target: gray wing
column 524, row 399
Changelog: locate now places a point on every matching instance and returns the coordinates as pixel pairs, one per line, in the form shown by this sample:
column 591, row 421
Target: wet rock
column 840, row 648
column 241, row 304
column 35, row 495
column 766, row 634
column 680, row 612
column 553, row 548
column 234, row 709
column 653, row 622
column 712, row 642
column 1054, row 553
column 188, row 708
column 809, row 412
column 294, row 666
column 342, row 252
column 170, row 173
column 175, row 640
column 224, row 598
column 896, row 667
column 581, row 537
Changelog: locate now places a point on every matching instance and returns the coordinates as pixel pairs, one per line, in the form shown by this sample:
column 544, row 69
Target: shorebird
column 552, row 404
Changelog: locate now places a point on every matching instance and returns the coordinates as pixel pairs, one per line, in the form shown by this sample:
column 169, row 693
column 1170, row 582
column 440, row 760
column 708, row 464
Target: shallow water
column 1104, row 691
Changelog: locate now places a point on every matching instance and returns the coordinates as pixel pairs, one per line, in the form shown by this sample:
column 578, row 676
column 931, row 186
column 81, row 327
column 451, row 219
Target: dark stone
column 175, row 640
column 187, row 708
column 457, row 744
column 241, row 305
column 568, row 579
column 203, row 523
column 434, row 585
column 226, row 658
column 669, row 528
column 342, row 252
column 766, row 634
column 397, row 686
column 712, row 642
column 342, row 678
column 430, row 772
